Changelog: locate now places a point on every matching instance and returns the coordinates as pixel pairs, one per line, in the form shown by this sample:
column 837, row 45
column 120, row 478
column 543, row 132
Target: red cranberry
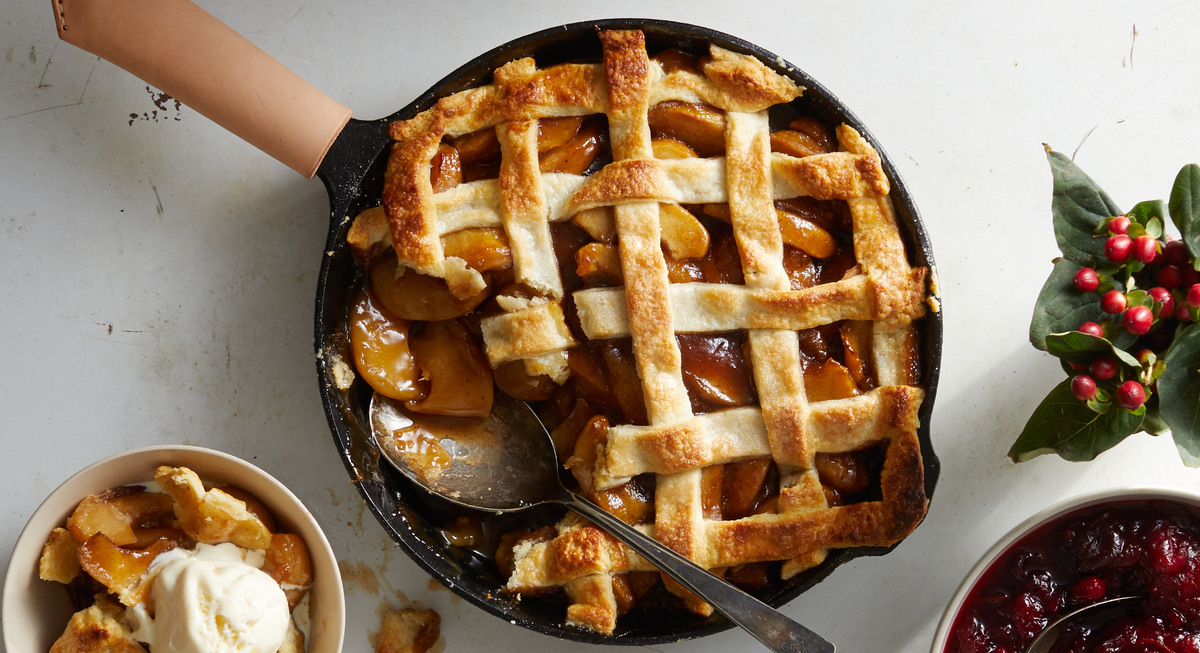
column 1103, row 368
column 1190, row 277
column 1113, row 302
column 1193, row 296
column 1167, row 553
column 1131, row 395
column 1086, row 280
column 1170, row 276
column 1076, row 366
column 1029, row 615
column 1089, row 590
column 1163, row 296
column 1175, row 252
column 1145, row 248
column 1118, row 225
column 1092, row 329
column 1083, row 387
column 1117, row 248
column 1138, row 320
column 1183, row 312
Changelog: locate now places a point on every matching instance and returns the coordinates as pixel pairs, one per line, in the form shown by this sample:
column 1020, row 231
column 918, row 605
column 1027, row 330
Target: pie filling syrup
column 439, row 344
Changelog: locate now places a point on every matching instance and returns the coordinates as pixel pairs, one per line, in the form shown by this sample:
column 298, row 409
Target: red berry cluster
column 1130, row 394
column 1175, row 297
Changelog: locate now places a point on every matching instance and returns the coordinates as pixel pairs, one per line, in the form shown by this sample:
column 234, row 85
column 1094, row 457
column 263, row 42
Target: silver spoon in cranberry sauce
column 1049, row 634
column 506, row 462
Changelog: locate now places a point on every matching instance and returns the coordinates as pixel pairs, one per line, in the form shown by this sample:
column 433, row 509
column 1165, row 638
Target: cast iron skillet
column 302, row 127
column 354, row 176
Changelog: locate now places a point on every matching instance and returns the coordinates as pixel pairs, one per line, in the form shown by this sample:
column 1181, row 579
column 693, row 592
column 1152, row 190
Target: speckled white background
column 157, row 277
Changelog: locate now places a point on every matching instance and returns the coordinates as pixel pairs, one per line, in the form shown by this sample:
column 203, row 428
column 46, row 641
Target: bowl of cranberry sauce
column 1101, row 545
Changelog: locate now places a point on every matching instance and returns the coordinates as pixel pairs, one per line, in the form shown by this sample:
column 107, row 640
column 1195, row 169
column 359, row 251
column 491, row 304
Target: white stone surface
column 157, row 276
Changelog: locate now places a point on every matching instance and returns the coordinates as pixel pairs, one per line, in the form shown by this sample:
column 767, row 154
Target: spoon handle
column 768, row 625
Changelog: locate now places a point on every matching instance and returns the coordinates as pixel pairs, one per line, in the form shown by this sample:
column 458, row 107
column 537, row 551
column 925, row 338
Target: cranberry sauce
column 1148, row 549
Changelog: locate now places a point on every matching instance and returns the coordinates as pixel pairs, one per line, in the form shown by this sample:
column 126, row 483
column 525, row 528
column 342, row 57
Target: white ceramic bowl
column 35, row 612
column 942, row 637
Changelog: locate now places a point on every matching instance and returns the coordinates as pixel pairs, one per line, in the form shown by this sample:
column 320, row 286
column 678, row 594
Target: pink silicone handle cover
column 186, row 52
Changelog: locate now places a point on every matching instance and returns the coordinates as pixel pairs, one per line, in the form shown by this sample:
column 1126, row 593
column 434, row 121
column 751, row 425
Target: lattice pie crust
column 677, row 444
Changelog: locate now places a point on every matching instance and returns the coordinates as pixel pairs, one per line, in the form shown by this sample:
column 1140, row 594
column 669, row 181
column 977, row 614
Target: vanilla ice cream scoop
column 211, row 601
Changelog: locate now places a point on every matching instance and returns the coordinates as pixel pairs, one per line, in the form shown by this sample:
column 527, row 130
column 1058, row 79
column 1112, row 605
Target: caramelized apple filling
column 417, row 341
column 106, row 555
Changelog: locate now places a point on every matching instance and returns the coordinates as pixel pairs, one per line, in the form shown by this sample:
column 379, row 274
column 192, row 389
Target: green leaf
column 1079, row 207
column 1154, row 423
column 1098, row 406
column 1135, row 230
column 1185, row 206
column 1155, row 228
column 1066, row 426
column 1081, row 348
column 1060, row 306
column 1120, row 338
column 1107, row 283
column 1143, row 212
column 1179, row 394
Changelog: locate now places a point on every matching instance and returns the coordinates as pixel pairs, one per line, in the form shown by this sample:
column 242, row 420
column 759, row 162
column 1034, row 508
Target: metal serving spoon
column 507, row 462
column 1049, row 634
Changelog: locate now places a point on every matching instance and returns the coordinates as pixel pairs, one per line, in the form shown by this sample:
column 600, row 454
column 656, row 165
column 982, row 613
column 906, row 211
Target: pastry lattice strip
column 677, row 444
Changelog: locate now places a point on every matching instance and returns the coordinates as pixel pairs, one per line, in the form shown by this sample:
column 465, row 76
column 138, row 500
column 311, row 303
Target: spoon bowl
column 476, row 463
column 506, row 461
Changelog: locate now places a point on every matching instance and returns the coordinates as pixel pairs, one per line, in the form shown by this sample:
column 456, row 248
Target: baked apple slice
column 120, row 570
column 460, row 382
column 381, row 350
column 415, row 296
column 699, row 126
column 117, row 512
column 288, row 562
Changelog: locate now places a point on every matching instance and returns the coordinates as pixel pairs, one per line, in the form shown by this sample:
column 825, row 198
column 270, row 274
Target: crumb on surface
column 409, row 631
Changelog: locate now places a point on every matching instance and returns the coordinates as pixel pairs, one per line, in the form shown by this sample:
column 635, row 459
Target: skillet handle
column 186, row 52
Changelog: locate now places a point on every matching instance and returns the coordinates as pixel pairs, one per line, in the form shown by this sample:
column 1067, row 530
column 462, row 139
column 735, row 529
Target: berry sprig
column 1136, row 312
column 1118, row 310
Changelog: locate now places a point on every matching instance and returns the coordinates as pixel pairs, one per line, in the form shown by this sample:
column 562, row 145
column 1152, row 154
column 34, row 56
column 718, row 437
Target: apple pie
column 703, row 292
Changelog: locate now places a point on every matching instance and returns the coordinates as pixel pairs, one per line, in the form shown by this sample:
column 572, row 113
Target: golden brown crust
column 60, row 557
column 211, row 516
column 293, row 640
column 526, row 333
column 747, row 85
column 625, row 195
column 703, row 307
column 524, row 206
column 742, row 433
column 98, row 629
column 593, row 605
column 369, row 235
